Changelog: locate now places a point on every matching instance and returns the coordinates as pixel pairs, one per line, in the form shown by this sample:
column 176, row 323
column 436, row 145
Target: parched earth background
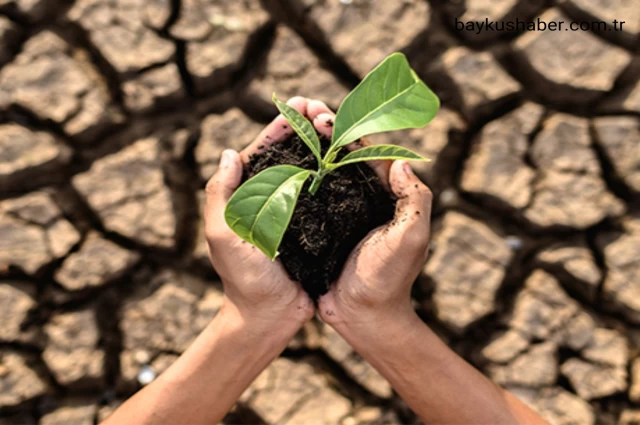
column 113, row 114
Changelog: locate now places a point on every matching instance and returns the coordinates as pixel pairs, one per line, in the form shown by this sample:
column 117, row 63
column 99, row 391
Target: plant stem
column 315, row 183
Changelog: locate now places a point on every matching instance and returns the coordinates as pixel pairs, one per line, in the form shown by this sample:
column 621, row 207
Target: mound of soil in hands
column 325, row 227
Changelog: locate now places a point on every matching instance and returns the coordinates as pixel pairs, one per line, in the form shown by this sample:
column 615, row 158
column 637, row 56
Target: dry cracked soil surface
column 114, row 114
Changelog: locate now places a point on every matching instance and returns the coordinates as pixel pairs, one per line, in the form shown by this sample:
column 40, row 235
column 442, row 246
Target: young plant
column 391, row 97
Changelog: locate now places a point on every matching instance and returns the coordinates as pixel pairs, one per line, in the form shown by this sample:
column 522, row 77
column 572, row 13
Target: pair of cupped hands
column 375, row 283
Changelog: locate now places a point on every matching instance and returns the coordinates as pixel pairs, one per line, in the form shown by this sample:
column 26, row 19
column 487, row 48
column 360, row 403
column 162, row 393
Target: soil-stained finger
column 277, row 131
column 324, row 124
column 381, row 168
column 317, row 107
column 219, row 189
column 414, row 197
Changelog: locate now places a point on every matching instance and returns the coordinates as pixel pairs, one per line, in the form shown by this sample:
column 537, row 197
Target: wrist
column 376, row 329
column 370, row 327
column 245, row 346
column 347, row 312
column 266, row 326
column 220, row 364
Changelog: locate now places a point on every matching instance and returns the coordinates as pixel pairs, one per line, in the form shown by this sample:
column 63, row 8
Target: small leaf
column 302, row 126
column 391, row 97
column 331, row 156
column 378, row 152
column 260, row 210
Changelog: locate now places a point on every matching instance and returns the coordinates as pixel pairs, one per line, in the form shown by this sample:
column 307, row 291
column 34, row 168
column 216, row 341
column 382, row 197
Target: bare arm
column 436, row 383
column 205, row 382
column 370, row 306
column 262, row 310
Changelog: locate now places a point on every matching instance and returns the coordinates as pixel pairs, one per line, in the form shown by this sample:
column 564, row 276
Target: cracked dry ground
column 114, row 113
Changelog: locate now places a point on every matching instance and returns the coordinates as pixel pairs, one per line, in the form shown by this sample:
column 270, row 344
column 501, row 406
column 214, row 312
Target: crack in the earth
column 189, row 114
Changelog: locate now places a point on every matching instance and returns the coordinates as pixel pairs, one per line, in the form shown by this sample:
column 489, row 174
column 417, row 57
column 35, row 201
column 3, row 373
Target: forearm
column 435, row 382
column 206, row 381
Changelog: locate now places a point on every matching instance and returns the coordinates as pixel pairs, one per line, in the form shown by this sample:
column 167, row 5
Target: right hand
column 377, row 277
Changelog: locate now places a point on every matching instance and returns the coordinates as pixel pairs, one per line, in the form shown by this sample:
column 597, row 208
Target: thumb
column 227, row 178
column 412, row 221
column 221, row 186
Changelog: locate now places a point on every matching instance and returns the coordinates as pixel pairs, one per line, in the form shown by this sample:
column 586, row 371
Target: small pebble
column 346, row 2
column 141, row 357
column 513, row 242
column 448, row 197
column 146, row 375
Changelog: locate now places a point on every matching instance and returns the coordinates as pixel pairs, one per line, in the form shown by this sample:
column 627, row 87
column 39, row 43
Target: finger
column 381, row 167
column 323, row 123
column 219, row 189
column 412, row 219
column 277, row 131
column 317, row 107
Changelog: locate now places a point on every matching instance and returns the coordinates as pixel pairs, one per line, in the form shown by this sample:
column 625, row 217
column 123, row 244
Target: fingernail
column 407, row 169
column 225, row 159
column 325, row 119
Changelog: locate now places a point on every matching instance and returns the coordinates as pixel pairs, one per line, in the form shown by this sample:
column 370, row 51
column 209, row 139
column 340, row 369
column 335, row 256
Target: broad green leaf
column 260, row 210
column 302, row 126
column 391, row 97
column 378, row 152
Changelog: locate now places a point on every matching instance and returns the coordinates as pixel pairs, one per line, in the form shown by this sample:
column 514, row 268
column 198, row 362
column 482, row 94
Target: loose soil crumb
column 326, row 227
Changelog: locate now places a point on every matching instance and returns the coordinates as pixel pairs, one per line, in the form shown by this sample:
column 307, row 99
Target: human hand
column 255, row 287
column 377, row 278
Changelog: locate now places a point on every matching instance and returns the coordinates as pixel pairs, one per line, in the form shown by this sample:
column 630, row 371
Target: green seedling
column 391, row 97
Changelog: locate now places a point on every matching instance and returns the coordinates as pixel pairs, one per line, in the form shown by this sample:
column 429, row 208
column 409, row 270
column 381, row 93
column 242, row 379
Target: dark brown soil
column 325, row 227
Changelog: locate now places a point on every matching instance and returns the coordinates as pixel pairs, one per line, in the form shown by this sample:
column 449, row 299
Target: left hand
column 254, row 286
